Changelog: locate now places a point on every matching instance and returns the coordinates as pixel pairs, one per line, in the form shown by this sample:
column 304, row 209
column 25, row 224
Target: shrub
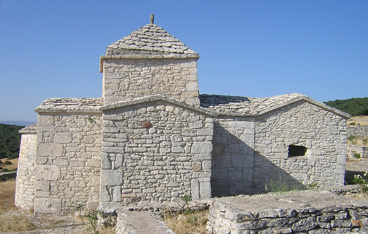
column 8, row 163
column 352, row 139
column 352, row 123
column 357, row 155
column 362, row 181
column 282, row 185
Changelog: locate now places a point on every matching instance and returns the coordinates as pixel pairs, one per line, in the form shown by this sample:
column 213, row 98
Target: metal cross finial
column 152, row 18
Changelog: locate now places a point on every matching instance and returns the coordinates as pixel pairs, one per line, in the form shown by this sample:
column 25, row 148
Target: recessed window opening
column 296, row 151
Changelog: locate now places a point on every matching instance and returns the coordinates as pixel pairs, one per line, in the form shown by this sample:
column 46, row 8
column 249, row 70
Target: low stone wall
column 307, row 212
column 359, row 131
column 356, row 149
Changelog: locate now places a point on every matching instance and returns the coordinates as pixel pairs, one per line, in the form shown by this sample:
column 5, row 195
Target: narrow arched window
column 296, row 151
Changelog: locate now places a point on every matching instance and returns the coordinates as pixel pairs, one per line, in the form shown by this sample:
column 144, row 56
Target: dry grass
column 11, row 219
column 7, row 191
column 362, row 141
column 16, row 220
column 193, row 222
column 358, row 120
column 107, row 230
column 9, row 167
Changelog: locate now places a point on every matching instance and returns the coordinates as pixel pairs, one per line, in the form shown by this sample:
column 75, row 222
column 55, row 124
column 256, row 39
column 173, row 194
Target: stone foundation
column 306, row 212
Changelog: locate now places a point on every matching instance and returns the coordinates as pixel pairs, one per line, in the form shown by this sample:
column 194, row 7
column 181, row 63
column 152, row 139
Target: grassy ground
column 11, row 219
column 10, row 167
column 358, row 120
column 190, row 222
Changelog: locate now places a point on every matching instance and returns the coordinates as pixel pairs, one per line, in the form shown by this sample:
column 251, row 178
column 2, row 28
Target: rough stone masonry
column 153, row 137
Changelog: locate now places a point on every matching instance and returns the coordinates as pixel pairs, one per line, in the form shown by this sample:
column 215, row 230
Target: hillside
column 353, row 106
column 9, row 141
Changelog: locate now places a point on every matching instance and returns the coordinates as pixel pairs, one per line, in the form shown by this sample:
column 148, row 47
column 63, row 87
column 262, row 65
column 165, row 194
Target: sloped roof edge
column 310, row 100
column 30, row 129
column 70, row 105
column 154, row 98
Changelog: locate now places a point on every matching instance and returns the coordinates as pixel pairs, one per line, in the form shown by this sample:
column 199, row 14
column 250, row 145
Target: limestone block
column 195, row 189
column 92, row 205
column 62, row 138
column 197, row 124
column 206, row 165
column 47, row 172
column 93, row 163
column 41, row 160
column 88, row 139
column 192, row 86
column 43, row 186
column 47, row 206
column 41, row 194
column 197, row 167
column 281, row 155
column 204, row 132
column 49, row 149
column 116, row 193
column 202, row 147
column 105, row 161
column 111, row 177
column 205, row 189
column 105, row 195
column 61, row 162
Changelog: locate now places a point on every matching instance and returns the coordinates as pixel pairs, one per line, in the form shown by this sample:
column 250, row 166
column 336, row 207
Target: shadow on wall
column 234, row 172
column 269, row 177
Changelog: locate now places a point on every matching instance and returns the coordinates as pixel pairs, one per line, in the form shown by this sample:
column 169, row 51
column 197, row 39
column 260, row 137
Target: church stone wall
column 127, row 79
column 25, row 182
column 155, row 151
column 232, row 167
column 68, row 161
column 301, row 124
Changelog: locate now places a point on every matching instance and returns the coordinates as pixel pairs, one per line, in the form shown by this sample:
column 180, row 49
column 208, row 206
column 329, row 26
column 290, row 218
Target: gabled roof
column 243, row 106
column 155, row 98
column 150, row 39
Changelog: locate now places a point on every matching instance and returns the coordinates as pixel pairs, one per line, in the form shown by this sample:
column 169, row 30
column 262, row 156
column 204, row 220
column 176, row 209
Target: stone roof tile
column 150, row 38
column 82, row 105
column 30, row 129
column 243, row 106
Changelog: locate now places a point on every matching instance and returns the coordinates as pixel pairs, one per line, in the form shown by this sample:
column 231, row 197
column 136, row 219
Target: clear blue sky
column 255, row 48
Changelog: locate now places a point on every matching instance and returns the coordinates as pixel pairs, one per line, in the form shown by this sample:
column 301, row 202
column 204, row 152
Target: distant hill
column 9, row 141
column 353, row 106
column 19, row 123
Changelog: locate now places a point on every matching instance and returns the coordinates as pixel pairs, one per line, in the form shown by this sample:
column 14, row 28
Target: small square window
column 296, row 151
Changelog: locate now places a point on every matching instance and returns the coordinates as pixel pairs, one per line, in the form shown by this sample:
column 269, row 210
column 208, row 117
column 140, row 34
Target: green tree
column 353, row 106
column 9, row 141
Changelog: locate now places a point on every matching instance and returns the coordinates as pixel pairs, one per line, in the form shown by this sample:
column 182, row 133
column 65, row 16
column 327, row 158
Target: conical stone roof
column 150, row 41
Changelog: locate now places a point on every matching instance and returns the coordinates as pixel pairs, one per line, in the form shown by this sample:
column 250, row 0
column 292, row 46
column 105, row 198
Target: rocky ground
column 56, row 224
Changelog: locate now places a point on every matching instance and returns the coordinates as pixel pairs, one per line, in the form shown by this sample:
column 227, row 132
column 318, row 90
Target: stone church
column 153, row 138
